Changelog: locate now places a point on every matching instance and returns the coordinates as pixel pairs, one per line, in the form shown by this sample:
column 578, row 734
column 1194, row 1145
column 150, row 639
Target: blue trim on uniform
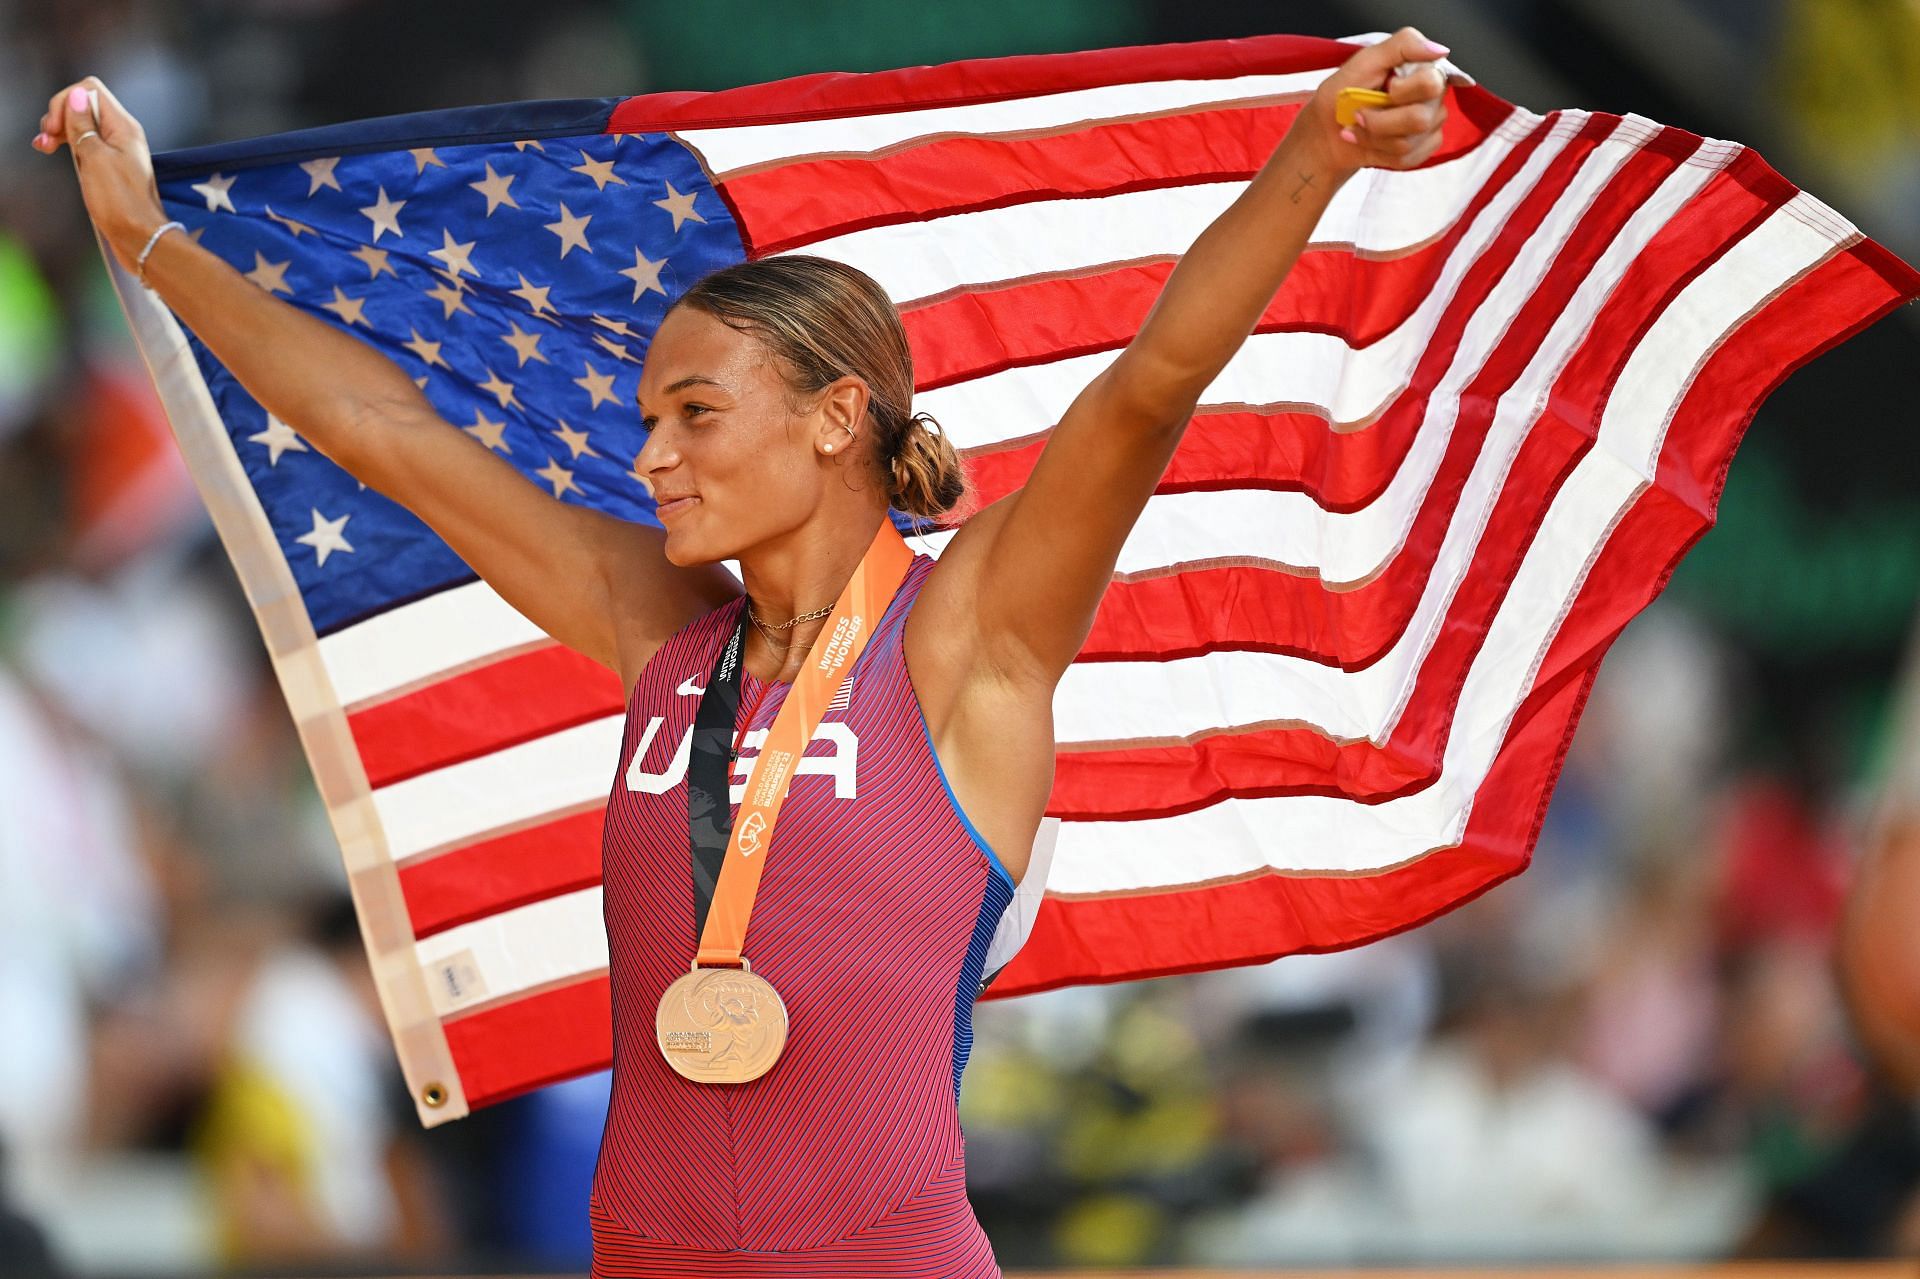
column 926, row 735
column 993, row 903
column 958, row 811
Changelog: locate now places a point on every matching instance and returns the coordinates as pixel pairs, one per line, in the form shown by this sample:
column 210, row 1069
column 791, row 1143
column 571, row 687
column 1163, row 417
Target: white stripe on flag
column 545, row 777
column 515, row 950
column 423, row 640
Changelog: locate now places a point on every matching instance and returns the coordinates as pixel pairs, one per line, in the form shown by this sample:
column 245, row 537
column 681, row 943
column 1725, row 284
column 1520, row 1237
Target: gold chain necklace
column 768, row 632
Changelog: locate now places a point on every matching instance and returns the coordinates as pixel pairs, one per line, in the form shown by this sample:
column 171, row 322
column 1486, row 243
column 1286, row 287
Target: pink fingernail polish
column 77, row 99
column 1435, row 48
column 1346, row 135
column 39, row 140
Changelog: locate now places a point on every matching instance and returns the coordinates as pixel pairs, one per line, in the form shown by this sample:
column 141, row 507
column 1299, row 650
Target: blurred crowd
column 1636, row 1048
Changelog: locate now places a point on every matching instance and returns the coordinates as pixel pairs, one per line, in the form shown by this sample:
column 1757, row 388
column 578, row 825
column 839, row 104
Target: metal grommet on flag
column 434, row 1094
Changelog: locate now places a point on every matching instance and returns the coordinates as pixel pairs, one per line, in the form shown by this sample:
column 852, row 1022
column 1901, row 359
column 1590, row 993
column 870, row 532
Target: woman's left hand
column 1400, row 136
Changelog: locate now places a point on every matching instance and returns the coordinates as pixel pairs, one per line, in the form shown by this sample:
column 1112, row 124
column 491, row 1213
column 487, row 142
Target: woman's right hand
column 116, row 169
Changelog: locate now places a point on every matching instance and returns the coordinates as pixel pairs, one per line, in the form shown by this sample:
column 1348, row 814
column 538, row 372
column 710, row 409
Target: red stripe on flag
column 479, row 879
column 523, row 1044
column 1268, row 915
column 799, row 201
column 1284, row 451
column 984, row 331
column 842, row 93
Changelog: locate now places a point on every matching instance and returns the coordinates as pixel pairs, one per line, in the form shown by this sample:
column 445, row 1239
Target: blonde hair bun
column 926, row 477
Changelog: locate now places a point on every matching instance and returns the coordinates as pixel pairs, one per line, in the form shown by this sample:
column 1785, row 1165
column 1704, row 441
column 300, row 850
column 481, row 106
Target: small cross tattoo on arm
column 1306, row 180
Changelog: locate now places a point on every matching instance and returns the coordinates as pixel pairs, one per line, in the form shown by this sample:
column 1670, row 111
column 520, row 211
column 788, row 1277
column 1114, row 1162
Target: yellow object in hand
column 1348, row 102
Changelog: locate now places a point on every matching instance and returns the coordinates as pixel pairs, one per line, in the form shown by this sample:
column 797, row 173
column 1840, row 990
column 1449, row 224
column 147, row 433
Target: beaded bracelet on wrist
column 140, row 263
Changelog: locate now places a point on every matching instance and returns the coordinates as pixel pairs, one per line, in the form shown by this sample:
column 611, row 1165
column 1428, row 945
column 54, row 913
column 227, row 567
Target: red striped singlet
column 875, row 908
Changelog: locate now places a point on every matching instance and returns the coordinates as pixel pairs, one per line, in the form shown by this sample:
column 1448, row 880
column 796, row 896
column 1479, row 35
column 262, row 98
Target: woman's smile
column 676, row 506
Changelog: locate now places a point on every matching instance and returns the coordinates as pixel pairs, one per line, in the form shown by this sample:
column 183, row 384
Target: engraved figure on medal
column 721, row 1025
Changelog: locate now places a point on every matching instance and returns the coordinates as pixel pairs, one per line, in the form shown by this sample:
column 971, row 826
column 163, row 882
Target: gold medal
column 721, row 1025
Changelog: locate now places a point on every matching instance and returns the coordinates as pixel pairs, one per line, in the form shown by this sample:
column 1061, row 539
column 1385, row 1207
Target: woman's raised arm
column 579, row 574
column 1048, row 550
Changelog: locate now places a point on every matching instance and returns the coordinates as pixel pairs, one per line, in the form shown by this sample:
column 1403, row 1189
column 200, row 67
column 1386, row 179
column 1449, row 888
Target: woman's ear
column 839, row 414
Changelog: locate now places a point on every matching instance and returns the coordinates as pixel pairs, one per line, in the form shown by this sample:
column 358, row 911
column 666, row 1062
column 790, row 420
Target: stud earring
column 829, row 448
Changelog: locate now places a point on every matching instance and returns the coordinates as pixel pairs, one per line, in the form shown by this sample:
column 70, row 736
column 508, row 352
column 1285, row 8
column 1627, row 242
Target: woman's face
column 731, row 466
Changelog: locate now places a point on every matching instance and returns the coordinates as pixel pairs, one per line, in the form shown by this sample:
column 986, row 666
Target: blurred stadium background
column 1636, row 1050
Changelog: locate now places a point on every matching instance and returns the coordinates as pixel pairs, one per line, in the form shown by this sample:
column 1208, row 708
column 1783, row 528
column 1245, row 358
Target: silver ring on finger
column 90, row 133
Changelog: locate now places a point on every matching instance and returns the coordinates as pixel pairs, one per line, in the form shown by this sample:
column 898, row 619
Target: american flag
column 1330, row 687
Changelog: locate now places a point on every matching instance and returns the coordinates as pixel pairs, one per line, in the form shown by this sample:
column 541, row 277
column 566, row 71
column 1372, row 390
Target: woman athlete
column 823, row 1138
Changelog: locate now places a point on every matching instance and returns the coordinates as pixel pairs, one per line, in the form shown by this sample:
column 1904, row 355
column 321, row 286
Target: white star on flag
column 645, row 274
column 488, row 432
column 278, row 437
column 298, row 228
column 375, row 260
column 571, row 230
column 325, row 537
column 494, row 187
column 597, row 384
column 601, row 171
column 558, row 476
column 350, row 310
column 271, row 276
column 613, row 348
column 450, row 298
column 454, row 255
column 217, row 189
column 500, row 389
column 320, row 174
column 385, row 215
column 680, row 206
column 429, row 352
column 525, row 345
column 576, row 441
column 534, row 296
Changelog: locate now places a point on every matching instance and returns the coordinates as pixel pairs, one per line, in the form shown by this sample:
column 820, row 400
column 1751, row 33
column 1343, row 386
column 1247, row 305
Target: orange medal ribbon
column 724, row 1023
column 838, row 645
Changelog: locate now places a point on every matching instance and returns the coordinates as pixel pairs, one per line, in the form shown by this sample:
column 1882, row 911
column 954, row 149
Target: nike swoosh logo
column 688, row 687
